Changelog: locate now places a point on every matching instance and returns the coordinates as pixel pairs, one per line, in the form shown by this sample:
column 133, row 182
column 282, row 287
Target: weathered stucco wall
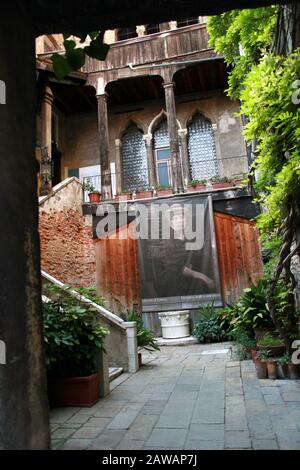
column 67, row 248
column 81, row 144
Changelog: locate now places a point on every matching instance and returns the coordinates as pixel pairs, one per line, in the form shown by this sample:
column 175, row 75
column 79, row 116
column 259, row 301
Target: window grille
column 161, row 135
column 134, row 160
column 202, row 149
column 152, row 28
column 127, row 33
column 187, row 22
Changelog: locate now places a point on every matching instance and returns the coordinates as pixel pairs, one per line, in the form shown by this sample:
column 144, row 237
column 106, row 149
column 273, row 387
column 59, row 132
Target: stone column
column 46, row 140
column 148, row 138
column 118, row 144
column 141, row 30
column 131, row 346
column 183, row 135
column 24, row 420
column 104, row 146
column 177, row 178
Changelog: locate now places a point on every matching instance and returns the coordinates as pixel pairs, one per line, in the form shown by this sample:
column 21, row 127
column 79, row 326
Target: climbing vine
column 268, row 87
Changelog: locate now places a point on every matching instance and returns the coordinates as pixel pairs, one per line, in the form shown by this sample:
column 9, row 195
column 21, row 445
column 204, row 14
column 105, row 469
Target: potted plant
column 221, row 183
column 94, row 195
column 261, row 364
column 145, row 338
column 163, row 190
column 272, row 368
column 124, row 196
column 197, row 185
column 273, row 343
column 73, row 339
column 282, row 366
column 293, row 371
column 143, row 193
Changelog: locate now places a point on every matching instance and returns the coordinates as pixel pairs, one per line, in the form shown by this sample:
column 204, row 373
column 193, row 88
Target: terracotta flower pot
column 143, row 194
column 221, row 185
column 122, row 197
column 253, row 354
column 261, row 369
column 74, row 391
column 165, row 192
column 272, row 370
column 293, row 371
column 199, row 187
column 282, row 370
column 95, row 197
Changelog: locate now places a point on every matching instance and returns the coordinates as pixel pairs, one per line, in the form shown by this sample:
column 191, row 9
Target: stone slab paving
column 186, row 397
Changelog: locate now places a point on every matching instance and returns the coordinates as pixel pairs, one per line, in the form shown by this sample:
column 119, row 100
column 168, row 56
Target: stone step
column 114, row 372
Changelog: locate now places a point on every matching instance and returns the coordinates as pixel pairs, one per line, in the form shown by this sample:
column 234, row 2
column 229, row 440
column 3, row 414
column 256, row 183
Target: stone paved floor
column 184, row 399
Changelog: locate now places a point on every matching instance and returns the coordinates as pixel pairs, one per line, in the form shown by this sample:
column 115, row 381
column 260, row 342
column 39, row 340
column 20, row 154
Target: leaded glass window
column 202, row 149
column 134, row 160
column 161, row 135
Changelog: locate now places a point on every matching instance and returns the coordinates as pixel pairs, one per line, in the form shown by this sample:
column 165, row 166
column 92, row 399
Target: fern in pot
column 145, row 338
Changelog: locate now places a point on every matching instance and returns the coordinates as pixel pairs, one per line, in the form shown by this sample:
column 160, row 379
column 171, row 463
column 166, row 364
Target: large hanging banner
column 177, row 254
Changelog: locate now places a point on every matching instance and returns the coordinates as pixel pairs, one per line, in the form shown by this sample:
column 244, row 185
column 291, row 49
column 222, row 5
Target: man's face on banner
column 177, row 219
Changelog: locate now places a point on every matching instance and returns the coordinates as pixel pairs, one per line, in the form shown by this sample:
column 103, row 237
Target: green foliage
column 75, row 55
column 91, row 294
column 264, row 354
column 242, row 36
column 88, row 186
column 268, row 87
column 270, row 340
column 285, row 359
column 72, row 337
column 195, row 183
column 208, row 328
column 250, row 312
column 145, row 338
column 275, row 124
column 242, row 337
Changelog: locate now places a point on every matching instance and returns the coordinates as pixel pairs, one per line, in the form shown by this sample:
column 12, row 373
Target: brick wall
column 67, row 248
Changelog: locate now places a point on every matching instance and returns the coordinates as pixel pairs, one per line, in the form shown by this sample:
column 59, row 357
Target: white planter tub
column 175, row 324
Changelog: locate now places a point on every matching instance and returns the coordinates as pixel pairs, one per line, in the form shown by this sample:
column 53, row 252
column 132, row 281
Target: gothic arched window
column 134, row 160
column 202, row 148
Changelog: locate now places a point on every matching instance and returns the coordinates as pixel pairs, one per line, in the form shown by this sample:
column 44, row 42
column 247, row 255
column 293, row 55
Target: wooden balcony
column 182, row 43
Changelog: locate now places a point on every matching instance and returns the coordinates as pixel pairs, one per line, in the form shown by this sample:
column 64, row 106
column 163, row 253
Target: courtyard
column 196, row 397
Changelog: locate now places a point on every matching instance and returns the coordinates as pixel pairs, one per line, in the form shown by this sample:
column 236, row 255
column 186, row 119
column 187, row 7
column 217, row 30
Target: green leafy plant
column 194, row 183
column 267, row 86
column 264, row 354
column 88, row 186
column 220, row 179
column 243, row 36
column 74, row 56
column 285, row 359
column 145, row 338
column 72, row 337
column 242, row 337
column 91, row 294
column 270, row 340
column 250, row 312
column 208, row 330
